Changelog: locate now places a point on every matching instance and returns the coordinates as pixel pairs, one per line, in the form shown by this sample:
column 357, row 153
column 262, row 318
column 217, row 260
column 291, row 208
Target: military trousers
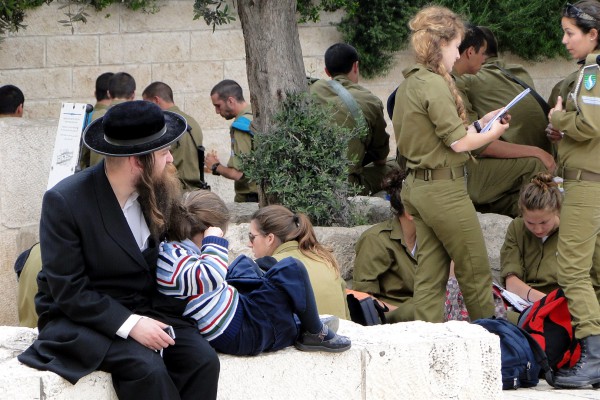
column 579, row 255
column 494, row 183
column 447, row 229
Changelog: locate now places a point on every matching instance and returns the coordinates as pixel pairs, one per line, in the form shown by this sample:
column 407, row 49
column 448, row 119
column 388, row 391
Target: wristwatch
column 477, row 126
column 214, row 168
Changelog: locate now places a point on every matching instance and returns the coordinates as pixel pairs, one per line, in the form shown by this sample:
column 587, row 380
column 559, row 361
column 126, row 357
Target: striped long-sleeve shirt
column 198, row 275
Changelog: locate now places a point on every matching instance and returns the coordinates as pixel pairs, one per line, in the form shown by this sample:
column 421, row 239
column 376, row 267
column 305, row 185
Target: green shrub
column 302, row 163
column 528, row 28
column 378, row 29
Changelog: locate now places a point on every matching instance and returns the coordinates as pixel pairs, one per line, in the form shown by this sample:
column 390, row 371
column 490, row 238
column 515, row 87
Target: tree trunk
column 274, row 61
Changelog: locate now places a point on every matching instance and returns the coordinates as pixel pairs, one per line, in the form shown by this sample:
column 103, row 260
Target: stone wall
column 52, row 66
column 412, row 360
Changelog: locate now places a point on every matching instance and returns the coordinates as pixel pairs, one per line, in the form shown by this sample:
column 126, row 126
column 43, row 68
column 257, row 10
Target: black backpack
column 522, row 357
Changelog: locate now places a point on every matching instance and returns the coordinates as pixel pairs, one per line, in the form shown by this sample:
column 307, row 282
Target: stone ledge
column 414, row 360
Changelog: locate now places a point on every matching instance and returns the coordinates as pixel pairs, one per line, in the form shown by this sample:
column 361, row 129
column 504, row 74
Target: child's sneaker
column 323, row 341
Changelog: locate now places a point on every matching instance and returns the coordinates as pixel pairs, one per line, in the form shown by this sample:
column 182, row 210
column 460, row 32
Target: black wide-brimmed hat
column 133, row 128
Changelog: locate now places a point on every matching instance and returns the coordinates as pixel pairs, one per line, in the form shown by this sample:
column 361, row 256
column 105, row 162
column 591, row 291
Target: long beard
column 166, row 192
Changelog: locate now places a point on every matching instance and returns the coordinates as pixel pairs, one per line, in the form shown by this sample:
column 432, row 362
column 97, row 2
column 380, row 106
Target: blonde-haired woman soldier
column 432, row 134
column 528, row 255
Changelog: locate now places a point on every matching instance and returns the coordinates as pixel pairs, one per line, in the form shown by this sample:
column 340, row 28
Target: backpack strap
column 349, row 101
column 540, row 357
column 545, row 106
column 200, row 151
column 242, row 123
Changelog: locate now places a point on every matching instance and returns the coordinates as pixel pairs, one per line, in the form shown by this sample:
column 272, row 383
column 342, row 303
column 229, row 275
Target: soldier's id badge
column 589, row 81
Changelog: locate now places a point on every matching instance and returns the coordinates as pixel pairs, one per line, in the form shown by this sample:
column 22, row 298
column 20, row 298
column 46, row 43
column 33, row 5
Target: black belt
column 438, row 174
column 575, row 174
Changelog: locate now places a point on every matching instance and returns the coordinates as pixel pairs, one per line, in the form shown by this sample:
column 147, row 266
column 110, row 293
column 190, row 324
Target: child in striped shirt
column 240, row 309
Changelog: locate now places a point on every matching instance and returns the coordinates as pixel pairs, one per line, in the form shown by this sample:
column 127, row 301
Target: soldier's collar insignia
column 589, row 81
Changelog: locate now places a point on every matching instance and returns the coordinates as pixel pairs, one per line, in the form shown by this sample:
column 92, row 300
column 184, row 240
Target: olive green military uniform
column 95, row 158
column 529, row 258
column 185, row 153
column 28, row 288
column 494, row 183
column 385, row 268
column 426, row 124
column 578, row 242
column 563, row 88
column 84, row 159
column 375, row 146
column 242, row 142
column 329, row 288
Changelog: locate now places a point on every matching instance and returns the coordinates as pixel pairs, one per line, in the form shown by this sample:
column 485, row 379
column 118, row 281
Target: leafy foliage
column 212, row 15
column 302, row 164
column 528, row 28
column 377, row 28
column 12, row 12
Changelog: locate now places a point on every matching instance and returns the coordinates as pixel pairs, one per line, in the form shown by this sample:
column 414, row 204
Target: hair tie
column 296, row 220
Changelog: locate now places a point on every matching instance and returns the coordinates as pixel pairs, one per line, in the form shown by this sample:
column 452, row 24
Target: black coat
column 93, row 277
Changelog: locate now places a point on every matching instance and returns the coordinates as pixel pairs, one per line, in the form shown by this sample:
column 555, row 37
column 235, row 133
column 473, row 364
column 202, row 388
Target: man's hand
column 149, row 333
column 210, row 159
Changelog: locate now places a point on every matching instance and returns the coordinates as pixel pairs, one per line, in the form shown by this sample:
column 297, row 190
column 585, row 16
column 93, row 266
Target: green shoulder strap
column 349, row 101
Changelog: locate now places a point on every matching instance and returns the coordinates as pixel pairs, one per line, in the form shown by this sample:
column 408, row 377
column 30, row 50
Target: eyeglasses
column 251, row 237
column 571, row 11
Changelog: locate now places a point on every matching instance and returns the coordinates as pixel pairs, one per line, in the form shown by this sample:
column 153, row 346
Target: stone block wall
column 52, row 66
column 25, row 152
column 412, row 360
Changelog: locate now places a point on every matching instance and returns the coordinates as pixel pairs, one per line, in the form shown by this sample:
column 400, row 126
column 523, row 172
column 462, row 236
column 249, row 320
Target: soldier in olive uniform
column 578, row 239
column 504, row 165
column 228, row 99
column 102, row 104
column 528, row 255
column 354, row 105
column 432, row 134
column 185, row 150
column 121, row 88
column 385, row 263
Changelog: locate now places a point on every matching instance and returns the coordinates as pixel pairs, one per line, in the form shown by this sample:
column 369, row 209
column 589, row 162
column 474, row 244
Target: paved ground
column 543, row 391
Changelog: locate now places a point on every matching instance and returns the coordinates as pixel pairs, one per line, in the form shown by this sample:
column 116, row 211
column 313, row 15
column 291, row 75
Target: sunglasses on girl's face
column 571, row 11
column 251, row 237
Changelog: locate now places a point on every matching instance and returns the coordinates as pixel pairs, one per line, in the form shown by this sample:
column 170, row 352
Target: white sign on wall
column 66, row 146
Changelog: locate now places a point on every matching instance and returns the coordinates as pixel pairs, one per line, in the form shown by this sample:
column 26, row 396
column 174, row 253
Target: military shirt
column 329, row 287
column 185, row 153
column 377, row 141
column 242, row 142
column 95, row 158
column 580, row 146
column 528, row 258
column 426, row 122
column 384, row 266
column 563, row 88
column 84, row 158
column 490, row 89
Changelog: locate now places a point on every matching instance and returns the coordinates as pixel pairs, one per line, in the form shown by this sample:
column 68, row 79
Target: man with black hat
column 97, row 302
